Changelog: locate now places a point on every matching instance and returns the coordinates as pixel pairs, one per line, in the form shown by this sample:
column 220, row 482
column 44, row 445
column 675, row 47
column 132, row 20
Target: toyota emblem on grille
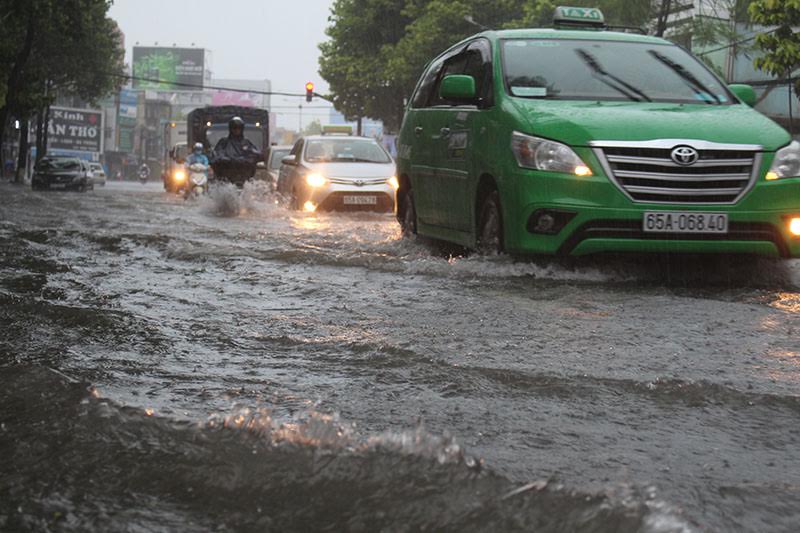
column 359, row 183
column 684, row 155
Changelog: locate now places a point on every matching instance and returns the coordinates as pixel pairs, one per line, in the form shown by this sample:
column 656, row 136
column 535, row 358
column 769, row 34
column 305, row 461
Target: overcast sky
column 249, row 39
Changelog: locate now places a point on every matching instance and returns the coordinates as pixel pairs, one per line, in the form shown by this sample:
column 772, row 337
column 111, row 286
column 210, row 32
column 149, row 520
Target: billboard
column 235, row 98
column 168, row 65
column 75, row 129
column 128, row 101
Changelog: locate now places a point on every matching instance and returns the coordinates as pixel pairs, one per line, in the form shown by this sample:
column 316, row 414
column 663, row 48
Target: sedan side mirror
column 745, row 93
column 289, row 160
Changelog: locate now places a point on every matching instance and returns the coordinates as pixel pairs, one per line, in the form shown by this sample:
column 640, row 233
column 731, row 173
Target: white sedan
column 338, row 172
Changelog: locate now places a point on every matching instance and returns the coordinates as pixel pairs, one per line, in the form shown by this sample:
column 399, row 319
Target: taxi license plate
column 58, row 185
column 360, row 200
column 685, row 222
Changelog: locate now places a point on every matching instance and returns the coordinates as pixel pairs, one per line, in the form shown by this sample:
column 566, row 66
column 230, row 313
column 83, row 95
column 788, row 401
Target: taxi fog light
column 309, row 206
column 542, row 154
column 549, row 221
column 794, row 226
column 786, row 163
column 393, row 183
column 316, row 180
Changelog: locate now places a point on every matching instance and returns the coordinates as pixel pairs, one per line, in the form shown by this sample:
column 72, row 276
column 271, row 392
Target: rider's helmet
column 236, row 127
column 198, row 148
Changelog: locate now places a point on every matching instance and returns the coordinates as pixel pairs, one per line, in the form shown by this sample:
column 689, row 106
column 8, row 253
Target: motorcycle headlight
column 316, row 180
column 541, row 154
column 180, row 175
column 786, row 163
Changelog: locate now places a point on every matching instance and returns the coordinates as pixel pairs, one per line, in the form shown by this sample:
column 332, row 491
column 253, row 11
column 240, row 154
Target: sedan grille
column 358, row 182
column 646, row 172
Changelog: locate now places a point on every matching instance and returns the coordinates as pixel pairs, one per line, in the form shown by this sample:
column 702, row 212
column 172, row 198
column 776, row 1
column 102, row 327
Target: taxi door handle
column 418, row 130
column 445, row 132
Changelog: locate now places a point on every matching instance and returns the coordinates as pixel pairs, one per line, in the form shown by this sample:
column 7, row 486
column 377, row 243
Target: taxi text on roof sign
column 578, row 15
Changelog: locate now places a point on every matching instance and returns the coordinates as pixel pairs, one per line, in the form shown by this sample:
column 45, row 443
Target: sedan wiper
column 617, row 84
column 689, row 78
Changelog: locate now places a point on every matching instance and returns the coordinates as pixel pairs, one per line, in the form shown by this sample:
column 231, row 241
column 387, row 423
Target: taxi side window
column 423, row 94
column 454, row 65
column 479, row 66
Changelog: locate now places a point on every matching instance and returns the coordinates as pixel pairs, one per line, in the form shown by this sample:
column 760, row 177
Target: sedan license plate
column 360, row 200
column 685, row 222
column 58, row 185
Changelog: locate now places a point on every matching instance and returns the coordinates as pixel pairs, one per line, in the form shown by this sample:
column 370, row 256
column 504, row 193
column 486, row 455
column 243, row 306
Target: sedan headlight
column 541, row 154
column 393, row 183
column 316, row 180
column 786, row 163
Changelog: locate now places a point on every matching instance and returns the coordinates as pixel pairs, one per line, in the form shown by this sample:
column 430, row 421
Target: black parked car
column 54, row 172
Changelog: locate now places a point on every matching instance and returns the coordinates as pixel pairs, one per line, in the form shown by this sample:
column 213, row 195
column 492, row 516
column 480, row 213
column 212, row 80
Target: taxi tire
column 408, row 220
column 490, row 226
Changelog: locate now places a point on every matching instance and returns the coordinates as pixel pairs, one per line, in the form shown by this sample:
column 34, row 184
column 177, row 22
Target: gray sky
column 249, row 39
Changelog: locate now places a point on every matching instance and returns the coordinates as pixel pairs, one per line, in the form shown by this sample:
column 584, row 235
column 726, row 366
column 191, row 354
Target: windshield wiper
column 689, row 78
column 624, row 87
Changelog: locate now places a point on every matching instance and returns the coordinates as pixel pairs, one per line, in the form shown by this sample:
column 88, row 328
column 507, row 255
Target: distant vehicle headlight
column 393, row 183
column 541, row 154
column 180, row 175
column 786, row 163
column 316, row 180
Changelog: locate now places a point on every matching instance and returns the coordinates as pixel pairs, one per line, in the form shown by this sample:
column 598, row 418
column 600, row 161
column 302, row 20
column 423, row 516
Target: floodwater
column 228, row 365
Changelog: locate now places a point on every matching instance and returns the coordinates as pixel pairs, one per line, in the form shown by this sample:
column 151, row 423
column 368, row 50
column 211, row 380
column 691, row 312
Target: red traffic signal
column 309, row 91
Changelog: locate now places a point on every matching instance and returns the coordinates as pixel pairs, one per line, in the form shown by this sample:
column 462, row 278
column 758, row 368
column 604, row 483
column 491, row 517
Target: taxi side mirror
column 745, row 93
column 289, row 160
column 458, row 88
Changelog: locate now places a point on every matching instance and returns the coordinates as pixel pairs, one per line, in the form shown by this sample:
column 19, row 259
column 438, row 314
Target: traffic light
column 309, row 91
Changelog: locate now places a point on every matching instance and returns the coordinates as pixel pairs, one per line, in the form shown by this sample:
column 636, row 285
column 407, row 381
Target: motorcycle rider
column 144, row 172
column 235, row 156
column 197, row 156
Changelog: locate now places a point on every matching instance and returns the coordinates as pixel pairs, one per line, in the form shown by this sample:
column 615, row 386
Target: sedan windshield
column 349, row 150
column 608, row 70
column 60, row 163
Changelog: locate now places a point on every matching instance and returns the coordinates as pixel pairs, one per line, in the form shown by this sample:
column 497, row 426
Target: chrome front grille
column 358, row 182
column 646, row 172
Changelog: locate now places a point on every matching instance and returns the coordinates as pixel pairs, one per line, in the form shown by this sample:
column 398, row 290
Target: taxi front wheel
column 408, row 216
column 490, row 226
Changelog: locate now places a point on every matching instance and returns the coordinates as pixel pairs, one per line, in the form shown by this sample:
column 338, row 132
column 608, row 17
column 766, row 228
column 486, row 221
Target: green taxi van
column 578, row 140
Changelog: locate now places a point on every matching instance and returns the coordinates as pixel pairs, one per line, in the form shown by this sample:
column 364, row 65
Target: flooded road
column 230, row 365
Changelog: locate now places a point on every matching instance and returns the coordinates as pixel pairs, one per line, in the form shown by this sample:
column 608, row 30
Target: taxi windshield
column 608, row 70
column 345, row 150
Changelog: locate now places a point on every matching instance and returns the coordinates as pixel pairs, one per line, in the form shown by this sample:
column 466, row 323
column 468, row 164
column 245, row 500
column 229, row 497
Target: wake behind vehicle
column 55, row 172
column 338, row 172
column 579, row 140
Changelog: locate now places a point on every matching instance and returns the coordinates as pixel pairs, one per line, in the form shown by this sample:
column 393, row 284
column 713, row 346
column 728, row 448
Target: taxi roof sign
column 578, row 16
column 330, row 129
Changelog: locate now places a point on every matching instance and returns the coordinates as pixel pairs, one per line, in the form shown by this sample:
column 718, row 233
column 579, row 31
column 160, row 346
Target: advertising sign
column 128, row 101
column 161, row 67
column 75, row 129
column 235, row 98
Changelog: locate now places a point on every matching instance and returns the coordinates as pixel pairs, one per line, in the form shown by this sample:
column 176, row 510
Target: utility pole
column 300, row 120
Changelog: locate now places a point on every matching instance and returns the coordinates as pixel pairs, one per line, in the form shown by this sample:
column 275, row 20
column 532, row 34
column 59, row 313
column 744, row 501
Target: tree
column 313, row 128
column 781, row 46
column 48, row 46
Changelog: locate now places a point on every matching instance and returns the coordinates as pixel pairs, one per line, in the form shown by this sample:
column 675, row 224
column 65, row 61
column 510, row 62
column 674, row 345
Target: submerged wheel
column 408, row 215
column 490, row 226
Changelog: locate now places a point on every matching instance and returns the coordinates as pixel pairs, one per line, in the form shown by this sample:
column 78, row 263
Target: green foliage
column 781, row 46
column 313, row 128
column 74, row 47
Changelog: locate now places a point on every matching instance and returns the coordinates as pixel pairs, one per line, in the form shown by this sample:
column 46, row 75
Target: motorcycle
column 197, row 184
column 144, row 175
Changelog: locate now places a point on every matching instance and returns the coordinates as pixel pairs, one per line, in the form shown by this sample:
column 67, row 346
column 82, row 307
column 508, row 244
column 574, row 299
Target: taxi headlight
column 393, row 183
column 180, row 175
column 786, row 163
column 541, row 154
column 316, row 180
